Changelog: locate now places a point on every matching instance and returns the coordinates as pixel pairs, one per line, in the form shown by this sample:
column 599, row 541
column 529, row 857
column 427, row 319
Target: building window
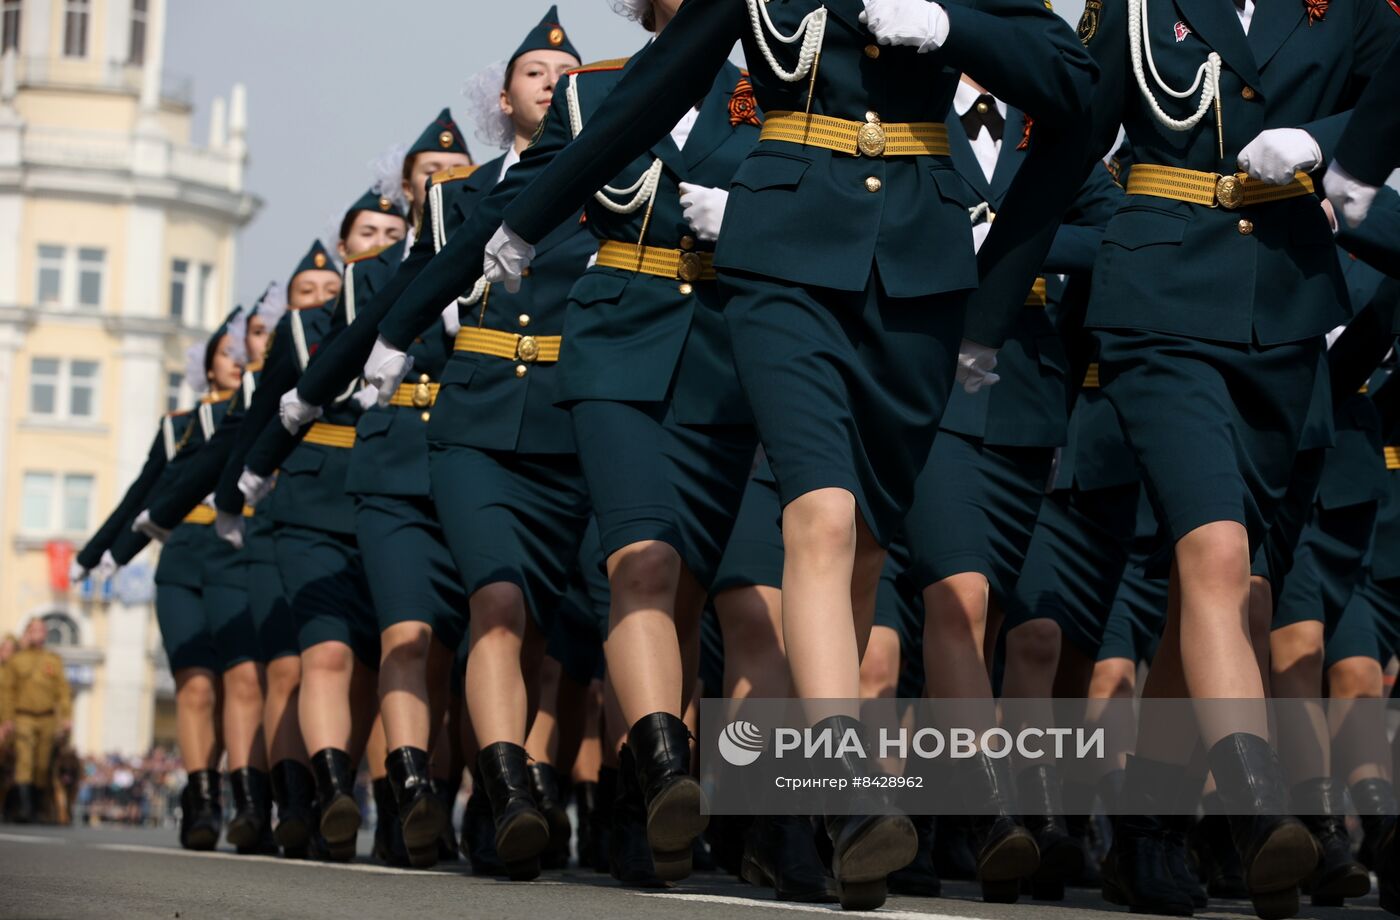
column 43, row 386
column 75, row 27
column 91, row 265
column 137, row 52
column 63, row 390
column 50, row 503
column 9, row 20
column 173, row 382
column 62, row 630
column 50, row 283
column 179, row 283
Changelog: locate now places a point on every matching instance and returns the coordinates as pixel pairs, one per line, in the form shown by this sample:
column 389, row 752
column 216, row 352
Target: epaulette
column 367, row 254
column 614, row 64
column 456, row 173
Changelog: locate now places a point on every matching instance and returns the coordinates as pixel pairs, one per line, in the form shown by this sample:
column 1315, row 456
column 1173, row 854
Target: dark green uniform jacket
column 1370, row 147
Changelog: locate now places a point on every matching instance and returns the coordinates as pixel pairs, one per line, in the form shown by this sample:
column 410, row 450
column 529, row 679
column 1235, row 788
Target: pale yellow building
column 117, row 249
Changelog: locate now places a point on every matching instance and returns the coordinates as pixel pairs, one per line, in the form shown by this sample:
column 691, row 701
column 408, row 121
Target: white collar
column 965, row 96
column 512, row 157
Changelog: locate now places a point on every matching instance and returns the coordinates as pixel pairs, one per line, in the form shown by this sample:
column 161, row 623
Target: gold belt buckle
column 690, row 267
column 871, row 138
column 1229, row 192
column 528, row 349
column 422, row 394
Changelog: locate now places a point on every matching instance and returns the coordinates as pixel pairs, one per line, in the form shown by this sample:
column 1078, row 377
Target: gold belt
column 652, row 260
column 418, row 395
column 1211, row 189
column 1392, row 458
column 528, row 349
column 870, row 138
column 1091, row 377
column 203, row 515
column 1037, row 297
column 328, row 435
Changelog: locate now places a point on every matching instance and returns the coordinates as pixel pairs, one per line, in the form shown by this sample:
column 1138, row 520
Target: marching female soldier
column 1212, row 290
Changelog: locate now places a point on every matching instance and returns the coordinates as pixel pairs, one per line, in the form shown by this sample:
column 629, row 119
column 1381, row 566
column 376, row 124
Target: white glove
column 506, row 258
column 975, row 366
column 76, row 572
column 366, row 398
column 916, row 23
column 144, row 525
column 452, row 320
column 229, row 527
column 1350, row 197
column 1278, row 153
column 106, row 566
column 704, row 209
column 295, row 412
column 254, row 487
column 385, row 369
column 979, row 235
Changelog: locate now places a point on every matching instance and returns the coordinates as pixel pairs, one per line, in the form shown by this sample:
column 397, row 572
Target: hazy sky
column 334, row 83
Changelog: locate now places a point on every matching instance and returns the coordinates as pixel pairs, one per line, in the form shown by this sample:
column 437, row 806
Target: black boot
column 1374, row 800
column 1079, row 822
column 601, row 821
column 544, row 786
column 1178, row 831
column 1042, row 813
column 779, row 853
column 479, row 830
column 1220, row 863
column 1276, row 850
column 420, row 811
column 866, row 848
column 728, row 838
column 388, row 836
column 1136, row 872
column 1006, row 852
column 629, row 854
column 335, row 796
column 675, row 804
column 953, row 857
column 200, row 811
column 919, row 878
column 446, row 791
column 249, row 830
column 294, row 791
column 585, row 796
column 1337, row 876
column 522, row 832
column 1388, row 870
column 24, row 804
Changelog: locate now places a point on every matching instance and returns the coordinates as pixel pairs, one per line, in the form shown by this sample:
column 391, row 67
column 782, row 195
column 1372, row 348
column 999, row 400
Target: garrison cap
column 549, row 35
column 442, row 136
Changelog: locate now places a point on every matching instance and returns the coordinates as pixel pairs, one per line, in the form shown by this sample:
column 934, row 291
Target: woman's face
column 415, row 187
column 312, row 288
column 225, row 373
column 531, row 88
column 370, row 230
column 256, row 340
column 7, row 649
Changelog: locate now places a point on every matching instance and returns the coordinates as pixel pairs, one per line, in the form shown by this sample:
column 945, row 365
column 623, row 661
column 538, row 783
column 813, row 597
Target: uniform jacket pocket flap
column 459, row 372
column 600, row 287
column 374, row 423
column 306, row 460
column 1138, row 227
column 771, row 170
column 954, row 187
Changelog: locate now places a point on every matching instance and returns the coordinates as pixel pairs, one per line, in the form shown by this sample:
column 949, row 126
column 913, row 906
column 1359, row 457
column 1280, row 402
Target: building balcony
column 76, row 149
column 107, row 76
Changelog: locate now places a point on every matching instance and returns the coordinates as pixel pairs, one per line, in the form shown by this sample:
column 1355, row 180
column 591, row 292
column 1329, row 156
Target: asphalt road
column 112, row 874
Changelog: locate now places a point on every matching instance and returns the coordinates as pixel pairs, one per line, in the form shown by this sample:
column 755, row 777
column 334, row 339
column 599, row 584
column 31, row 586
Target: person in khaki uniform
column 36, row 709
column 8, row 646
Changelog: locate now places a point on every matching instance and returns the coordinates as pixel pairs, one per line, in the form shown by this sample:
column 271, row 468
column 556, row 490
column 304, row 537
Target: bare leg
column 281, row 726
column 590, row 750
column 324, row 705
column 496, row 687
column 879, row 669
column 410, row 697
column 542, row 744
column 243, row 712
column 1358, row 732
column 196, row 701
column 1304, row 739
column 755, row 663
column 643, row 647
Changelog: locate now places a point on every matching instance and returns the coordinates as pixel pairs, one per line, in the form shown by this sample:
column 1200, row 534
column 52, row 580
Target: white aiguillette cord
column 440, row 240
column 1207, row 79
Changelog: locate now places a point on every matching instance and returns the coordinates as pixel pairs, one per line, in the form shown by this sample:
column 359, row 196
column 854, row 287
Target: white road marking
column 828, row 909
column 26, row 838
column 275, row 860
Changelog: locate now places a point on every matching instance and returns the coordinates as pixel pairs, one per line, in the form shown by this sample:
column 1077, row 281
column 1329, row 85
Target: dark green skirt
column 846, row 388
column 899, row 605
column 1138, row 616
column 1369, row 625
column 1215, row 426
column 185, row 632
column 974, row 510
column 577, row 636
column 754, row 554
column 324, row 579
column 410, row 571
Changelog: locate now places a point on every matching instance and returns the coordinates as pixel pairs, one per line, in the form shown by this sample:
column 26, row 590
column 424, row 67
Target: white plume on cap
column 388, row 175
column 238, row 335
column 272, row 304
column 632, row 9
column 195, row 376
column 483, row 94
